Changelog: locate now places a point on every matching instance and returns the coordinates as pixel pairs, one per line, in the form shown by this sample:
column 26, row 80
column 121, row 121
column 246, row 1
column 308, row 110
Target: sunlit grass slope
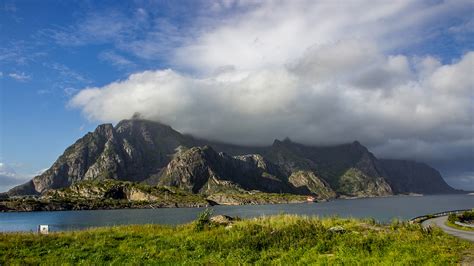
column 282, row 239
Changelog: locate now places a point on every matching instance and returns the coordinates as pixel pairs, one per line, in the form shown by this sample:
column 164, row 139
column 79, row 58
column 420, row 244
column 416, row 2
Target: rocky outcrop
column 113, row 190
column 222, row 219
column 413, row 177
column 306, row 182
column 203, row 170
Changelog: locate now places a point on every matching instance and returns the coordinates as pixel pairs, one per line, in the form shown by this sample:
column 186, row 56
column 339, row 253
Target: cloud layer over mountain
column 317, row 71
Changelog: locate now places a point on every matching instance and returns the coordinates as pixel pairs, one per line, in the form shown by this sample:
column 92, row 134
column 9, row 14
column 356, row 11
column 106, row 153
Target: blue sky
column 395, row 76
column 41, row 71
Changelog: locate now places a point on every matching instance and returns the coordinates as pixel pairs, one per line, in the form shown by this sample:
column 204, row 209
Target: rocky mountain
column 203, row 170
column 133, row 150
column 413, row 177
column 144, row 151
column 349, row 169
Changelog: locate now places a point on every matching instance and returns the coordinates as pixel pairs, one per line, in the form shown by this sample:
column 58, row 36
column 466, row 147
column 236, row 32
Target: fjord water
column 381, row 209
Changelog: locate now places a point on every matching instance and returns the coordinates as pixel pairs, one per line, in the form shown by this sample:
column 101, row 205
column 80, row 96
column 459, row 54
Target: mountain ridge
column 145, row 151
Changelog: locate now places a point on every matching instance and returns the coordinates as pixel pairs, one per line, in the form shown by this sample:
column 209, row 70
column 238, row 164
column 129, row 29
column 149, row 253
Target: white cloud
column 19, row 76
column 277, row 32
column 6, row 170
column 329, row 106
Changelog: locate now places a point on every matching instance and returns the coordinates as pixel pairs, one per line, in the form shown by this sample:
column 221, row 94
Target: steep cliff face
column 73, row 165
column 306, row 182
column 203, row 170
column 349, row 169
column 132, row 150
column 413, row 177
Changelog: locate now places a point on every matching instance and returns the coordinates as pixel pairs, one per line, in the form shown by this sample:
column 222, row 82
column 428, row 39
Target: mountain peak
column 106, row 130
column 140, row 121
column 285, row 141
column 356, row 143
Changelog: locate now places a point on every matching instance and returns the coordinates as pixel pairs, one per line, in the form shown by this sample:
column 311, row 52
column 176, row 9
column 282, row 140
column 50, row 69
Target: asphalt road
column 440, row 222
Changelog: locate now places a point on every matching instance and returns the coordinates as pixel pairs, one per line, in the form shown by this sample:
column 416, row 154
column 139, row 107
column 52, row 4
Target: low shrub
column 453, row 218
column 467, row 216
column 203, row 219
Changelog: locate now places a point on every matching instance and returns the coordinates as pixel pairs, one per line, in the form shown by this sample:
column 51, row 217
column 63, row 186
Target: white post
column 43, row 229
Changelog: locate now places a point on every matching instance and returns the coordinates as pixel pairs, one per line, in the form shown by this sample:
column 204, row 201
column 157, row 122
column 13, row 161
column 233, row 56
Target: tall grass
column 282, row 239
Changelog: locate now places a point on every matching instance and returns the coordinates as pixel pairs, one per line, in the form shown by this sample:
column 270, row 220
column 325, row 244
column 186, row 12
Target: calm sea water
column 382, row 209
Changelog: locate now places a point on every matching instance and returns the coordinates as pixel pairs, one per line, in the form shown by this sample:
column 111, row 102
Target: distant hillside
column 145, row 151
column 413, row 177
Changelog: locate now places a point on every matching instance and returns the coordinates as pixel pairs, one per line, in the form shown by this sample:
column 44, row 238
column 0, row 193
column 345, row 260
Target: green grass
column 280, row 239
column 453, row 225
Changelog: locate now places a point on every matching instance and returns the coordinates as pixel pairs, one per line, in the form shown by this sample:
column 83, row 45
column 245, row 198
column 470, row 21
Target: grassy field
column 282, row 239
column 453, row 225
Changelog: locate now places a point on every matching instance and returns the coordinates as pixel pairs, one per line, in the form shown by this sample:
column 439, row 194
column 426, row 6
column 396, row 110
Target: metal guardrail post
column 422, row 218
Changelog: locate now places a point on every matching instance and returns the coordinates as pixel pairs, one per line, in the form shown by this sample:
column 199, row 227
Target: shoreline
column 167, row 206
column 127, row 205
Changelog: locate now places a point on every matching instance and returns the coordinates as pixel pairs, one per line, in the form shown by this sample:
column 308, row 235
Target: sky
column 395, row 75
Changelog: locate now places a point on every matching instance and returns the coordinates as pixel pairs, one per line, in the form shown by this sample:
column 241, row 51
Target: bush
column 467, row 216
column 203, row 219
column 452, row 218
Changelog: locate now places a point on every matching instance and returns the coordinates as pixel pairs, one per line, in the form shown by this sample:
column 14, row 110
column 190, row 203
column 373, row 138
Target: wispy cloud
column 466, row 27
column 95, row 28
column 8, row 6
column 66, row 79
column 116, row 59
column 69, row 91
column 44, row 91
column 139, row 34
column 19, row 76
column 67, row 73
column 20, row 53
